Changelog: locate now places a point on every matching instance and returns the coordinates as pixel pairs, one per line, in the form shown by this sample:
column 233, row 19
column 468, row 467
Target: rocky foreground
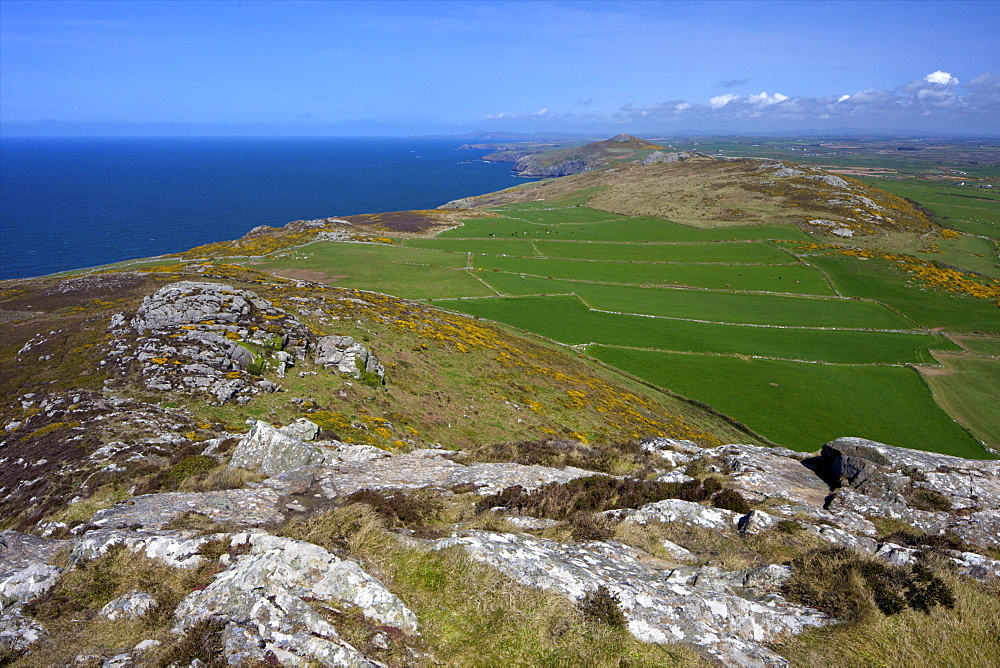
column 266, row 559
column 267, row 587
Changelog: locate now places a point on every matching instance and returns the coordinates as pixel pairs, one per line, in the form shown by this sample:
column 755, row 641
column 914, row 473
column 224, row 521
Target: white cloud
column 719, row 101
column 765, row 99
column 842, row 98
column 682, row 106
column 939, row 77
column 503, row 115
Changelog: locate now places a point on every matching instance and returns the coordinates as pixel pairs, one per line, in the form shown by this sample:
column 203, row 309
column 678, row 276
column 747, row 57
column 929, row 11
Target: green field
column 713, row 306
column 718, row 252
column 404, row 272
column 798, row 278
column 693, row 309
column 981, row 344
column 878, row 280
column 559, row 216
column 482, row 246
column 964, row 208
column 968, row 390
column 567, row 320
column 625, row 229
column 802, row 406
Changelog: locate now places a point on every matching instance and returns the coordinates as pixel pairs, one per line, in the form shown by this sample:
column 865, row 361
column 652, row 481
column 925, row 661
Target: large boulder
column 275, row 451
column 347, row 356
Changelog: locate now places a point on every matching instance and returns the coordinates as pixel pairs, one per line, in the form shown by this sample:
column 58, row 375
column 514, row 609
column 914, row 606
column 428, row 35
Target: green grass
column 983, row 345
column 799, row 278
column 875, row 279
column 969, row 391
column 964, row 208
column 482, row 246
column 720, row 252
column 801, row 406
column 560, row 216
column 971, row 254
column 760, row 309
column 567, row 320
column 412, row 273
column 626, row 229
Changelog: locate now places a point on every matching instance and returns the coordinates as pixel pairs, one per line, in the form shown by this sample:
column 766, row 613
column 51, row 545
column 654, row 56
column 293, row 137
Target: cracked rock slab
column 419, row 470
column 658, row 607
column 268, row 598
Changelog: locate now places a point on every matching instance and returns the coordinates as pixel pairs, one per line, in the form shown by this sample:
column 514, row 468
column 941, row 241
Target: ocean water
column 68, row 203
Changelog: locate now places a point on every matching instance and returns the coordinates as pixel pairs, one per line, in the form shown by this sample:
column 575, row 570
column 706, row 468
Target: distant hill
column 700, row 191
column 576, row 159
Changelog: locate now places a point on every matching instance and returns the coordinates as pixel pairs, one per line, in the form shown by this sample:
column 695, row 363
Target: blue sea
column 67, row 203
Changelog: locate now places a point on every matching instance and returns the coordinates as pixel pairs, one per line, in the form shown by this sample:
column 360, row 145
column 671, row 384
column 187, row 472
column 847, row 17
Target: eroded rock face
column 662, row 605
column 269, row 599
column 240, row 507
column 935, row 493
column 429, row 468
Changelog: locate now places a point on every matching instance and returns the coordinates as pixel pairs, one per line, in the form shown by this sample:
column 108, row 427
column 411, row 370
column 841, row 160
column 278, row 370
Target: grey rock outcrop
column 935, row 493
column 269, row 597
column 238, row 507
column 661, row 605
column 133, row 605
column 660, row 156
column 431, row 469
column 347, row 356
column 200, row 337
column 275, row 451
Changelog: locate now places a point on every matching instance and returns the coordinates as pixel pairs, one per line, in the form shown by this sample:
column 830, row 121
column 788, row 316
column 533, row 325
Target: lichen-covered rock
column 241, row 507
column 934, row 493
column 176, row 549
column 201, row 337
column 428, row 468
column 269, row 597
column 761, row 473
column 660, row 156
column 347, row 356
column 133, row 605
column 18, row 632
column 684, row 512
column 695, row 606
column 276, row 451
column 28, row 583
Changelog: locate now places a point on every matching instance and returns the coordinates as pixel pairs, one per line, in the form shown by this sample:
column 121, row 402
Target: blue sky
column 348, row 68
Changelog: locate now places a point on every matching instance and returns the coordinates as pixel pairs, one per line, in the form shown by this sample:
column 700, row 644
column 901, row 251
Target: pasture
column 792, row 278
column 802, row 406
column 567, row 320
column 710, row 305
column 801, row 346
column 719, row 252
column 412, row 273
column 967, row 389
column 879, row 280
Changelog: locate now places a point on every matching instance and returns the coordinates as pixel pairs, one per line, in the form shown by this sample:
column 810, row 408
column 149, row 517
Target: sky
column 300, row 67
